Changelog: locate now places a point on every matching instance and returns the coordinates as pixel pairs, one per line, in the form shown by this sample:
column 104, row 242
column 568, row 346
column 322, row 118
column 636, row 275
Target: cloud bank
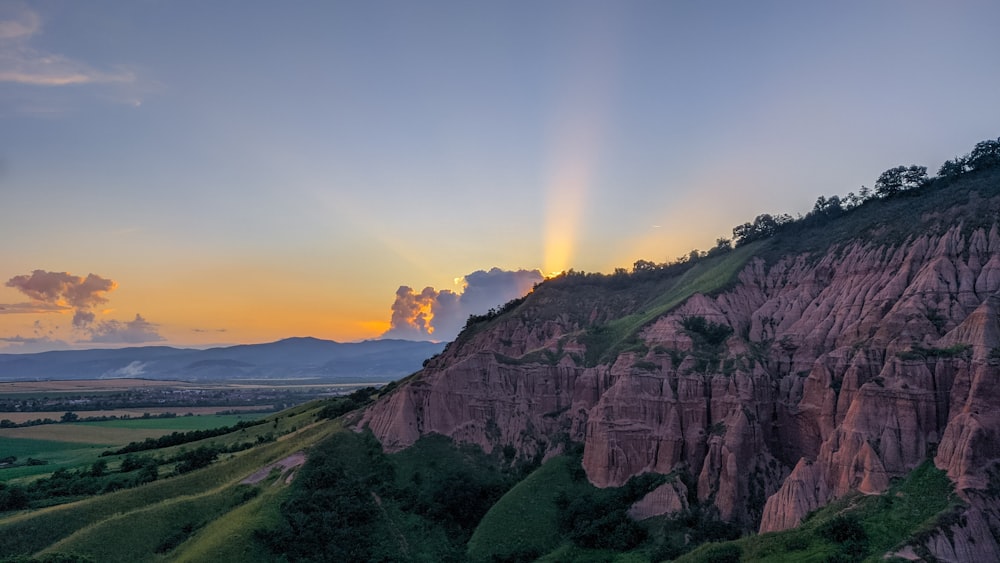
column 440, row 315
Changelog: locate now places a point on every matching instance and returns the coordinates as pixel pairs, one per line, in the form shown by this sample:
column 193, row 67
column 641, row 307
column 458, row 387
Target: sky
column 195, row 173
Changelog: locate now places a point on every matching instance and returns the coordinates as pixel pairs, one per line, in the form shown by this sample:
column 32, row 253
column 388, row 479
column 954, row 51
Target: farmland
column 38, row 402
column 56, row 446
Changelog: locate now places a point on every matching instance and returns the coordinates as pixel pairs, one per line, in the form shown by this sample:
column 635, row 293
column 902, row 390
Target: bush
column 196, row 459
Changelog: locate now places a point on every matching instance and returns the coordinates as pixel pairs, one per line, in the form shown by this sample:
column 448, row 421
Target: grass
column 138, row 534
column 57, row 454
column 72, row 445
column 889, row 520
column 178, row 423
column 709, row 275
column 230, row 537
column 525, row 520
column 29, row 532
column 27, row 447
column 570, row 552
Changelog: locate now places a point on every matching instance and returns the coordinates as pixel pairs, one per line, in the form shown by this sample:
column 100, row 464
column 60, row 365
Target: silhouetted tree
column 763, row 226
column 643, row 266
column 722, row 245
column 900, row 178
column 953, row 168
column 827, row 208
column 986, row 154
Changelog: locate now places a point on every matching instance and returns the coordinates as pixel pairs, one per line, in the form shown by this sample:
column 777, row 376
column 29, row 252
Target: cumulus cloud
column 22, row 64
column 439, row 315
column 136, row 331
column 59, row 291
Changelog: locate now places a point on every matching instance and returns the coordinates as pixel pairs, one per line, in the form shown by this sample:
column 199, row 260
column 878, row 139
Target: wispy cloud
column 18, row 22
column 31, row 308
column 21, row 63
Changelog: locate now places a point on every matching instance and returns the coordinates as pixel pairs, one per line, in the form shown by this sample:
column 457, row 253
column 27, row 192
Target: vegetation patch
column 926, row 353
column 708, row 342
column 352, row 502
column 854, row 528
column 707, row 276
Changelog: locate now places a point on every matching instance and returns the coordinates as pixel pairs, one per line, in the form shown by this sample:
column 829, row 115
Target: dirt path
column 290, row 462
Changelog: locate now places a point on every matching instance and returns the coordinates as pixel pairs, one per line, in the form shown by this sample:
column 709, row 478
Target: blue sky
column 246, row 171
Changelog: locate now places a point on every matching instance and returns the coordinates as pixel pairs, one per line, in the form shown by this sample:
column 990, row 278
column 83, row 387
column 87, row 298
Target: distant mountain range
column 292, row 358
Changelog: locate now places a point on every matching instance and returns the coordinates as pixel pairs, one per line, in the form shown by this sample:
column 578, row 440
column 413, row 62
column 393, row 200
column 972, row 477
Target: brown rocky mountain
column 838, row 356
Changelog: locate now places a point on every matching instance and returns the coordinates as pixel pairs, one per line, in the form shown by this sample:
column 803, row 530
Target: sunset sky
column 193, row 173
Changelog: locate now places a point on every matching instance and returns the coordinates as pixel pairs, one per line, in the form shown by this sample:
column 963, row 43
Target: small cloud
column 440, row 315
column 136, row 331
column 208, row 330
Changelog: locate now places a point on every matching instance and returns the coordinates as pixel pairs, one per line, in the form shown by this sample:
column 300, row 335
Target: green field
column 178, row 423
column 76, row 444
column 56, row 454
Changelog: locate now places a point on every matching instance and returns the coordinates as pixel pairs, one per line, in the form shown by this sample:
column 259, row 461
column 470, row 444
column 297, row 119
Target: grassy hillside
column 525, row 521
column 87, row 525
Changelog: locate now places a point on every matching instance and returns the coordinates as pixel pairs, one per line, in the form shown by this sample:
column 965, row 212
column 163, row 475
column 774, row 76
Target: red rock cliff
column 843, row 370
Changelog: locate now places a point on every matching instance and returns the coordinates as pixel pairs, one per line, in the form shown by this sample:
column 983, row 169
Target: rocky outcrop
column 668, row 498
column 842, row 371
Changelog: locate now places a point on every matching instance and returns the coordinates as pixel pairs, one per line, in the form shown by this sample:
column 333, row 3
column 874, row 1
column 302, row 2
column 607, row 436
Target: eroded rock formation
column 842, row 371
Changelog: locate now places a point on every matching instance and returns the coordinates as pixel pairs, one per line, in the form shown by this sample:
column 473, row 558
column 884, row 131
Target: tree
column 900, row 178
column 827, row 208
column 763, row 226
column 643, row 266
column 722, row 245
column 914, row 177
column 986, row 154
column 953, row 168
column 70, row 417
column 99, row 468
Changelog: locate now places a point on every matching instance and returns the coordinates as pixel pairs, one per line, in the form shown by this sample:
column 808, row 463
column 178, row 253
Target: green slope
column 83, row 526
column 525, row 521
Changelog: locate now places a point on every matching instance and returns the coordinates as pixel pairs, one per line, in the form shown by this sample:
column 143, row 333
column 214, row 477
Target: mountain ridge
column 298, row 357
